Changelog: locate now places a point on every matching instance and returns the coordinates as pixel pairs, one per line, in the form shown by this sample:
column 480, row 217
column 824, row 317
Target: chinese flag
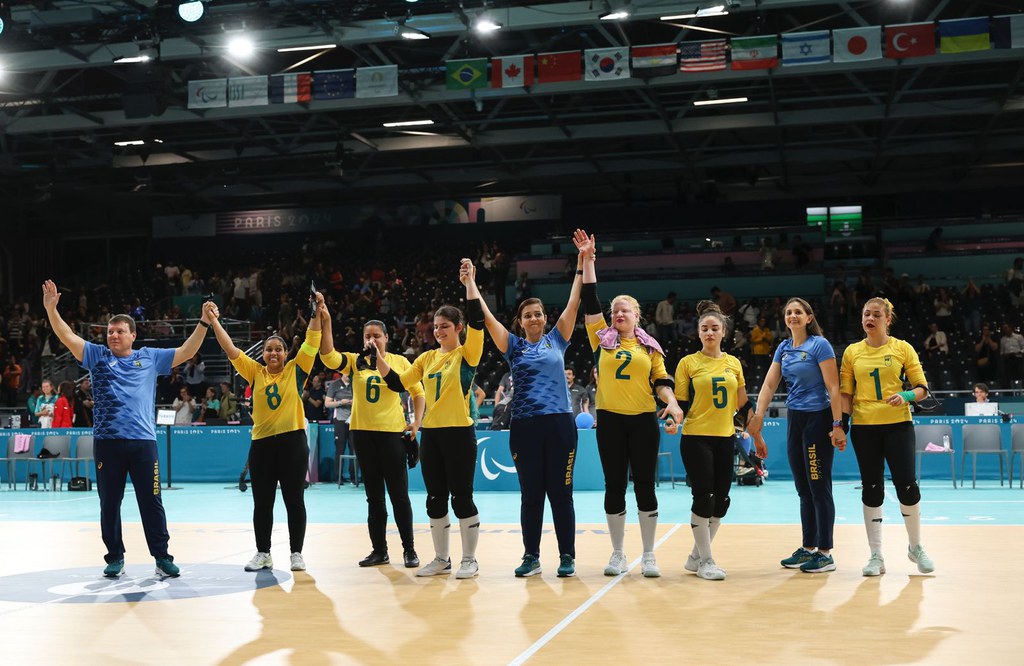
column 910, row 40
column 563, row 66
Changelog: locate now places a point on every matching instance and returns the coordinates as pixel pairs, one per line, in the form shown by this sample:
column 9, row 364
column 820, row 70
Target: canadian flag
column 910, row 40
column 512, row 71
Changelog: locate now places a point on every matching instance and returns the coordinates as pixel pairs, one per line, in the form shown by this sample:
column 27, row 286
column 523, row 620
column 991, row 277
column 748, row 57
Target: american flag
column 702, row 56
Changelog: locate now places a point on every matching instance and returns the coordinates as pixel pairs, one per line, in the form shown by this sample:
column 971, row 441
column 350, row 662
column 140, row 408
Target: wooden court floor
column 55, row 608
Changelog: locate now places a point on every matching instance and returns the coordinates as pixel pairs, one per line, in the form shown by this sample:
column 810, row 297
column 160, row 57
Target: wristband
column 838, row 423
column 908, row 396
column 203, row 324
column 579, row 272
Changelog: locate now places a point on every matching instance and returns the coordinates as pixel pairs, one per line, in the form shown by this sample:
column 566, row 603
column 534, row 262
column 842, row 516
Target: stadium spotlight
column 191, row 11
column 240, row 47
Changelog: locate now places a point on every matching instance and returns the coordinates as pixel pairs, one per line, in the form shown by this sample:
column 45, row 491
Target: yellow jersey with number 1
column 872, row 374
column 374, row 406
column 711, row 386
column 277, row 398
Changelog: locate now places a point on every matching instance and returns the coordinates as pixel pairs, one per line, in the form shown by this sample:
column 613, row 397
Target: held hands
column 50, row 295
column 674, row 415
column 467, row 271
column 586, row 245
column 322, row 312
column 210, row 312
column 838, row 438
column 760, row 447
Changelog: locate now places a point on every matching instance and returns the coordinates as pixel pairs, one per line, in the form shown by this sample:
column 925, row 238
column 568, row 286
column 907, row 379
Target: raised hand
column 467, row 271
column 50, row 295
column 586, row 245
column 210, row 312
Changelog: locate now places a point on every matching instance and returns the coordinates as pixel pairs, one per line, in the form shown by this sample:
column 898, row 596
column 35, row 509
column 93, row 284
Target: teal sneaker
column 166, row 568
column 529, row 567
column 566, row 566
column 799, row 557
column 819, row 563
column 114, row 569
column 919, row 557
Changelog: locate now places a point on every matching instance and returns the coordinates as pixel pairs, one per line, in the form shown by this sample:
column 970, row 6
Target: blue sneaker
column 114, row 569
column 529, row 567
column 567, row 566
column 166, row 568
column 799, row 557
column 818, row 564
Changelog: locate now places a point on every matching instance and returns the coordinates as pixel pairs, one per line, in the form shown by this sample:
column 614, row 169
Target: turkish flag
column 910, row 40
column 563, row 66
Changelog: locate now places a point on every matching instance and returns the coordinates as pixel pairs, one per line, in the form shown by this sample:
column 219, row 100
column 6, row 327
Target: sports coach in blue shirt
column 124, row 391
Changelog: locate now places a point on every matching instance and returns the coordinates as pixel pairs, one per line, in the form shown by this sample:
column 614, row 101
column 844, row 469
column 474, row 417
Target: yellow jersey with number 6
column 374, row 406
column 872, row 374
column 711, row 386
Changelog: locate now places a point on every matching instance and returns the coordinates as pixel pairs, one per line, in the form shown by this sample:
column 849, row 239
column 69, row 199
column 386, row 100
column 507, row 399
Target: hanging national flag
column 1007, row 31
column 466, row 74
column 377, row 81
column 703, row 56
column 334, row 84
column 909, row 40
column 290, row 88
column 604, row 64
column 561, row 66
column 963, row 35
column 805, row 48
column 208, row 94
column 755, row 52
column 654, row 60
column 857, row 44
column 247, row 91
column 512, row 71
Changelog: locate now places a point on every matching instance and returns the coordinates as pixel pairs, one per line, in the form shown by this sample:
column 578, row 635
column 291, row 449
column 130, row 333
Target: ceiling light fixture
column 241, row 47
column 486, row 26
column 133, row 142
column 409, row 32
column 409, row 123
column 616, row 15
column 190, row 12
column 717, row 9
column 720, row 100
column 315, row 47
column 145, row 55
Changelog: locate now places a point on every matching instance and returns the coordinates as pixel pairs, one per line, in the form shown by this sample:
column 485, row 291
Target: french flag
column 291, row 88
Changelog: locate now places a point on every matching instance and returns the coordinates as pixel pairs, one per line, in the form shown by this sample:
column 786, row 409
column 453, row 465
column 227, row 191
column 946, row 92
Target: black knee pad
column 437, row 507
column 703, row 505
column 614, row 501
column 874, row 494
column 909, row 495
column 463, row 506
column 646, row 500
column 721, row 506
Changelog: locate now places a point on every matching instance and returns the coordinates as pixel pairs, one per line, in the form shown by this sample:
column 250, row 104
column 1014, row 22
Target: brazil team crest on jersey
column 803, row 356
column 137, row 364
column 888, row 361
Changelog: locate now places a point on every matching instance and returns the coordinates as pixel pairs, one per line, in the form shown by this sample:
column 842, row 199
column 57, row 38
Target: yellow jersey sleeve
column 714, row 385
column 474, row 346
column 336, row 360
column 246, row 367
column 592, row 330
column 658, row 370
column 625, row 378
column 308, row 351
column 877, row 373
column 846, row 371
column 683, row 380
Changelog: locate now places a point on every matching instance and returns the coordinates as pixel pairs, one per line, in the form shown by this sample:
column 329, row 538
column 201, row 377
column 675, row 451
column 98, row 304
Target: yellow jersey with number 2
column 626, row 374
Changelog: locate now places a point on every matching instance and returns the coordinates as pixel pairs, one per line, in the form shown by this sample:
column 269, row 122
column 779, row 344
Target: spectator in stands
column 750, row 312
column 11, row 381
column 761, row 339
column 477, row 397
column 1011, row 355
column 985, row 354
column 45, row 404
column 184, row 407
column 209, row 406
column 943, row 309
column 864, row 289
column 936, row 345
column 801, row 252
column 338, row 399
column 981, row 392
column 728, row 266
column 628, row 432
column 970, row 305
column 84, row 403
column 686, row 325
column 30, row 405
column 724, row 300
column 524, row 289
column 664, row 317
column 313, row 399
column 577, row 392
column 499, row 274
column 934, row 244
column 168, row 387
column 1016, row 272
column 814, row 430
column 838, row 301
column 195, row 375
column 228, row 402
column 64, row 408
column 769, row 255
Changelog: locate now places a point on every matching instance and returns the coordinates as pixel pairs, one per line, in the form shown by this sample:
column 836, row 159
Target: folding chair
column 981, row 438
column 933, row 434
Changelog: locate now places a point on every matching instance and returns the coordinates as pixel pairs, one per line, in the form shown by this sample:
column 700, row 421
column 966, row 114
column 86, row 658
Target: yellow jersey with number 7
column 873, row 374
column 447, row 379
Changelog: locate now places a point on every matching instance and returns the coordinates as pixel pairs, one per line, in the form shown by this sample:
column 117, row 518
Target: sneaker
column 260, row 561
column 799, row 557
column 819, row 563
column 529, row 567
column 875, row 565
column 298, row 562
column 692, row 563
column 411, row 559
column 114, row 569
column 374, row 559
column 649, row 566
column 468, row 568
column 616, row 564
column 708, row 570
column 436, row 567
column 166, row 568
column 924, row 563
column 566, row 566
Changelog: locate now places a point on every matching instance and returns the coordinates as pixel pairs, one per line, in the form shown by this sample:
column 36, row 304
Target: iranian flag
column 857, row 44
column 512, row 71
column 755, row 52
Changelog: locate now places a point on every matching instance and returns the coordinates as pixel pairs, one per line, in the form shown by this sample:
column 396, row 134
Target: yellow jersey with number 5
column 374, row 406
column 711, row 386
column 872, row 374
column 277, row 398
column 626, row 374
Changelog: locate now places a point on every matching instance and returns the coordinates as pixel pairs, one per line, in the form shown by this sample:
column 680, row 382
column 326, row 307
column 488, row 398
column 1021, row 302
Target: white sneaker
column 649, row 566
column 260, row 561
column 436, row 567
column 924, row 563
column 692, row 563
column 708, row 570
column 875, row 565
column 468, row 568
column 616, row 564
column 298, row 564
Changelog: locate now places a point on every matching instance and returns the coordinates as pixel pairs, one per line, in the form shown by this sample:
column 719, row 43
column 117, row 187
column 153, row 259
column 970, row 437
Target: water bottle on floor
column 945, row 442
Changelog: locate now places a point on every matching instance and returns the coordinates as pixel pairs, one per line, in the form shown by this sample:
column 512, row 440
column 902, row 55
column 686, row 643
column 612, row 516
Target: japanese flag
column 857, row 44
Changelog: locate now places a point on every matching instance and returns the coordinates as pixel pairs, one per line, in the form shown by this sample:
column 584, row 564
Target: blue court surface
column 773, row 503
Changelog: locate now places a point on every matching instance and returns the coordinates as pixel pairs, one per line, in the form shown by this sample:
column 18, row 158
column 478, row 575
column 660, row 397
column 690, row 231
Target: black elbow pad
column 588, row 294
column 475, row 314
column 393, row 381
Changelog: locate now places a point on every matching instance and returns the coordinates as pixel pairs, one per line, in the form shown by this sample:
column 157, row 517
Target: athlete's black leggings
column 381, row 457
column 283, row 458
column 891, row 443
column 709, row 469
column 628, row 441
column 448, row 456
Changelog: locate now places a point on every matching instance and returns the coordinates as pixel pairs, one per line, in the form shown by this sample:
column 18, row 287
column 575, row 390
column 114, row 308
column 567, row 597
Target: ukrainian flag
column 963, row 35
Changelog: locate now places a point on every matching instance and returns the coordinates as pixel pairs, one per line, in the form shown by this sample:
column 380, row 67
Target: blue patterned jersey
column 538, row 375
column 124, row 390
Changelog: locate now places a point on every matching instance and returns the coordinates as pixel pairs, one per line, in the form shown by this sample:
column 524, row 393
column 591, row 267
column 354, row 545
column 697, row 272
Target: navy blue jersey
column 538, row 375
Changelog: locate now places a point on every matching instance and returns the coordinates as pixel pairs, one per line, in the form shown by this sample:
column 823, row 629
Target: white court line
column 42, row 502
column 568, row 619
column 973, row 502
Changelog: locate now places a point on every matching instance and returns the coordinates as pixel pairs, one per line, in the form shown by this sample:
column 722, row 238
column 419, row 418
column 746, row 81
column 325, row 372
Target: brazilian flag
column 467, row 74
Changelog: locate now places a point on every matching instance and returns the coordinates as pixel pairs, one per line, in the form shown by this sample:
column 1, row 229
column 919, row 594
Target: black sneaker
column 412, row 560
column 375, row 558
